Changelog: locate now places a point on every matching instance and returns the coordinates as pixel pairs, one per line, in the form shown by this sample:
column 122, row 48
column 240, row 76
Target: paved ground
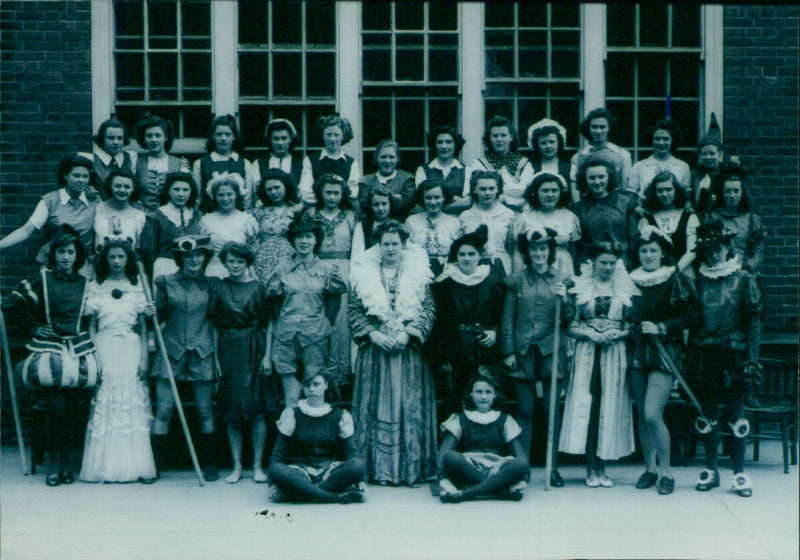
column 176, row 519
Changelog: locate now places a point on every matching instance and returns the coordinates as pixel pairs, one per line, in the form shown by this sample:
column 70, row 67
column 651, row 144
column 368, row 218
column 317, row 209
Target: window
column 162, row 59
column 653, row 71
column 287, row 67
column 410, row 75
column 533, row 64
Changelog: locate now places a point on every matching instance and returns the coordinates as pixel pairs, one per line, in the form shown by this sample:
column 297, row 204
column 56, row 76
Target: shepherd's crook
column 13, row 393
column 551, row 417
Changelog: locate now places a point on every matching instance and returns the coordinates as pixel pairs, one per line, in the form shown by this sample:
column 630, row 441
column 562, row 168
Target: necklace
column 390, row 283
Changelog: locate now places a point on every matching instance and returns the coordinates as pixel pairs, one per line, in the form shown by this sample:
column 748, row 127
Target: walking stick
column 163, row 349
column 13, row 393
column 551, row 417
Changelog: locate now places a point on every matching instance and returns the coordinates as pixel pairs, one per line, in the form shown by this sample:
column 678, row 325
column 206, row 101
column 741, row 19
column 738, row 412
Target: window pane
column 252, row 22
column 652, row 75
column 566, row 54
column 129, row 25
column 197, row 70
column 162, row 24
column 529, row 111
column 377, row 120
column 254, row 74
column 620, row 24
column 410, row 121
column 195, row 121
column 532, row 14
column 499, row 90
column 684, row 75
column 321, row 24
column 565, row 14
column 649, row 113
column 443, row 112
column 533, row 54
column 409, row 15
column 163, row 70
column 287, row 71
column 376, row 15
column 196, row 18
column 254, row 121
column 410, row 65
column 685, row 25
column 443, row 65
column 287, row 24
column 321, row 74
column 619, row 74
column 499, row 14
column 442, row 16
column 377, row 64
column 568, row 113
column 130, row 74
column 500, row 107
column 653, row 24
column 623, row 112
column 685, row 114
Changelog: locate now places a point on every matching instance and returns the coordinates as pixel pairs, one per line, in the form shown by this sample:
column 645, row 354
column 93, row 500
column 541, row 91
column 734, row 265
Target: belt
column 601, row 324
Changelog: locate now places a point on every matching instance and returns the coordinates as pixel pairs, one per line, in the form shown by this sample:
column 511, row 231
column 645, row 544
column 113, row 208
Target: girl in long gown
column 391, row 313
column 117, row 447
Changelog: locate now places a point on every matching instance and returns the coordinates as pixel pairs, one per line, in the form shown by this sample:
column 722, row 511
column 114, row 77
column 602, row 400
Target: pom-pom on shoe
column 708, row 479
column 743, row 485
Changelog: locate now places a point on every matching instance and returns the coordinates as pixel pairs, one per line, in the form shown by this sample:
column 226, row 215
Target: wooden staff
column 551, row 417
column 23, row 457
column 163, row 349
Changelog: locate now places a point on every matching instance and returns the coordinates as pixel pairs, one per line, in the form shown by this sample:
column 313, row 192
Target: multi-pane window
column 409, row 75
column 533, row 64
column 162, row 61
column 653, row 71
column 287, row 67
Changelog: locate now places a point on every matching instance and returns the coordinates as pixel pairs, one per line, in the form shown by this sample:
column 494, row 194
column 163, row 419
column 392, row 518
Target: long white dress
column 117, row 444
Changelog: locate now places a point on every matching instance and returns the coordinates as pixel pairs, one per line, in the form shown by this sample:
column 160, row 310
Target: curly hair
column 234, row 180
column 70, row 162
column 478, row 175
column 469, row 403
column 241, row 250
column 331, row 179
column 276, row 175
column 524, row 245
column 596, row 161
column 282, row 124
column 651, row 202
column 121, row 173
column 606, row 246
column 668, row 125
column 379, row 190
column 153, row 121
column 62, row 236
column 389, row 227
column 745, row 204
column 499, row 122
column 100, row 137
column 429, row 184
column 544, row 131
column 102, row 268
column 599, row 113
column 667, row 250
column 437, row 131
column 531, row 195
column 230, row 122
column 336, row 120
column 175, row 177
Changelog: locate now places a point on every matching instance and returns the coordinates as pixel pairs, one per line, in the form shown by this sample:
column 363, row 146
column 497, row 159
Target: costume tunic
column 643, row 173
column 210, row 166
column 748, row 244
column 435, row 237
column 667, row 298
column 161, row 229
column 678, row 224
column 273, row 244
column 613, row 215
column 563, row 222
column 498, row 220
column 394, row 404
column 112, row 224
column 239, row 312
column 237, row 226
column 56, row 208
column 117, row 445
column 483, row 438
column 400, row 184
column 150, row 174
column 598, row 392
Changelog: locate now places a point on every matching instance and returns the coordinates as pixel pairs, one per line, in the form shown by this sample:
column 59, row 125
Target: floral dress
column 224, row 228
column 435, row 237
column 274, row 246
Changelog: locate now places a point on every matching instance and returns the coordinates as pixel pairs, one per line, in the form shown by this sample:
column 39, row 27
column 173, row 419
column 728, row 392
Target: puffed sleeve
column 346, row 426
column 755, row 244
column 420, row 326
column 752, row 303
column 686, row 307
column 274, row 284
column 511, row 429
column 453, row 425
column 287, row 423
column 141, row 301
column 360, row 325
column 91, row 304
column 335, row 283
column 576, row 233
column 251, row 232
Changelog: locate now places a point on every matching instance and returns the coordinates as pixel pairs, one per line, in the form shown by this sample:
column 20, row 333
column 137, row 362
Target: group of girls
column 306, row 270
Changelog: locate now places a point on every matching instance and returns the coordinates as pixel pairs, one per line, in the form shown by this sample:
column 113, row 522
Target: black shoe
column 53, row 479
column 555, row 480
column 647, row 480
column 666, row 485
column 708, row 479
column 210, row 471
column 66, row 477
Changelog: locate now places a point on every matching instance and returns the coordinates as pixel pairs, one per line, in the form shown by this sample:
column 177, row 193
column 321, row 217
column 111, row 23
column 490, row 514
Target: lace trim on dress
column 482, row 417
column 643, row 278
column 721, row 270
column 313, row 411
column 621, row 284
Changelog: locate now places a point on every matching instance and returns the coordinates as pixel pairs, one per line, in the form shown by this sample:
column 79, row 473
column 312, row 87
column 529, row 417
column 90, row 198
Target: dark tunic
column 483, row 438
column 679, row 237
column 315, row 442
column 600, row 218
column 295, row 173
column 339, row 166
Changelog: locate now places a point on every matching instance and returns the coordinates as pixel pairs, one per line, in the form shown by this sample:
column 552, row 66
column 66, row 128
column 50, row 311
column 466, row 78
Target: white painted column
column 712, row 54
column 348, row 71
column 103, row 78
column 223, row 58
column 471, row 70
column 593, row 79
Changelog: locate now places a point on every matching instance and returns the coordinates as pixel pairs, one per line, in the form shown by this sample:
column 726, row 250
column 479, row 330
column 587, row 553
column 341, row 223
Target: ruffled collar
column 415, row 276
column 622, row 287
column 643, row 278
column 510, row 160
column 721, row 270
column 313, row 411
column 482, row 417
column 452, row 271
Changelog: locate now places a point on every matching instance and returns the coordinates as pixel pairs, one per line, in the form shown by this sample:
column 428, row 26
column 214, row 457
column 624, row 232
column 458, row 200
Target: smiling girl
column 156, row 135
column 115, row 218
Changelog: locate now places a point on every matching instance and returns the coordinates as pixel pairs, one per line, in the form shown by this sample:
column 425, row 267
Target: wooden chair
column 777, row 396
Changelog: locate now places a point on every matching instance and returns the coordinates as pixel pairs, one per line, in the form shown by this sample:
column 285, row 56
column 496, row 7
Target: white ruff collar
column 622, row 286
column 313, row 411
column 452, row 271
column 643, row 278
column 482, row 417
column 721, row 270
column 415, row 276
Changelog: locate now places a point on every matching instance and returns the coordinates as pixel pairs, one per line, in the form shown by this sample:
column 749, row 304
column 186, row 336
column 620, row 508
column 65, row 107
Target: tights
column 298, row 488
column 62, row 404
column 464, row 475
column 651, row 393
column 526, row 399
column 165, row 405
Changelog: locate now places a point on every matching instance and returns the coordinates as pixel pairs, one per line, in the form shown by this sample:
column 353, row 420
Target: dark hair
column 388, row 227
column 437, row 131
column 701, row 251
column 667, row 250
column 332, row 392
column 745, row 204
column 544, row 131
column 599, row 113
column 429, row 184
column 100, row 137
column 102, row 268
column 523, row 245
column 379, row 190
column 670, row 126
column 70, row 162
column 387, row 143
column 336, row 120
column 596, row 161
column 276, row 175
column 497, row 122
column 240, row 250
column 319, row 235
column 469, row 404
column 478, row 175
column 151, row 122
column 651, row 202
column 174, row 177
column 230, row 122
column 178, row 256
column 608, row 245
column 331, row 179
column 282, row 124
column 532, row 192
column 62, row 236
column 121, row 173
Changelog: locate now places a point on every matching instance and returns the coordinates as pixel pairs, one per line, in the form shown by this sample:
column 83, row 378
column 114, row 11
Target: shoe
column 53, row 479
column 647, row 480
column 148, row 480
column 555, row 480
column 605, row 482
column 66, row 477
column 708, row 479
column 666, row 485
column 745, row 492
column 743, row 485
column 211, row 473
column 592, row 481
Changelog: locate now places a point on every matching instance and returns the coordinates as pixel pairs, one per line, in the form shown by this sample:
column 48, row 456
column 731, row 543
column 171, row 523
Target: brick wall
column 761, row 127
column 46, row 111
